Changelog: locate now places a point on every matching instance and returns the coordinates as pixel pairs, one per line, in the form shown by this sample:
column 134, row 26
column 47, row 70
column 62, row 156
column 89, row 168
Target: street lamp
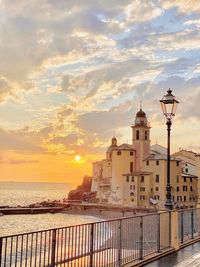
column 169, row 105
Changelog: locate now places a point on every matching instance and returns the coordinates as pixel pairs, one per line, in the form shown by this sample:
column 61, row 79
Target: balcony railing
column 106, row 243
column 105, row 182
column 189, row 224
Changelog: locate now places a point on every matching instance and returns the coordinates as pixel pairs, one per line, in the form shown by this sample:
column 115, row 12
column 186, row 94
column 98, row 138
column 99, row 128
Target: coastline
column 103, row 214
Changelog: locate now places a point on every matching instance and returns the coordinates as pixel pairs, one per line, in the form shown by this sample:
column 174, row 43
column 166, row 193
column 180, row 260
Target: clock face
column 137, row 121
column 141, row 121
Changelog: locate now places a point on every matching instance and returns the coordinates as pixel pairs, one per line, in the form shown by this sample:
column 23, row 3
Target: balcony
column 105, row 182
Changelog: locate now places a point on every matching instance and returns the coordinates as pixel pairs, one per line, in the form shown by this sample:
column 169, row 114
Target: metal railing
column 189, row 224
column 105, row 243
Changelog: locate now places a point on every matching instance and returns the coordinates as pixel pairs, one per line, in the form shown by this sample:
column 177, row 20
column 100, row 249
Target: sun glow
column 77, row 158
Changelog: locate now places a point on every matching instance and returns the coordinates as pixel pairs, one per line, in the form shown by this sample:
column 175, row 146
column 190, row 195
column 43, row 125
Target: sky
column 73, row 73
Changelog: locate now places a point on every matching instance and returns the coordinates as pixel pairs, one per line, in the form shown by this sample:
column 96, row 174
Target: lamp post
column 169, row 105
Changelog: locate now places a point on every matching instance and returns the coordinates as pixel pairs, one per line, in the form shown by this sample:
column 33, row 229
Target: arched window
column 131, row 166
column 137, row 135
column 145, row 135
column 118, row 152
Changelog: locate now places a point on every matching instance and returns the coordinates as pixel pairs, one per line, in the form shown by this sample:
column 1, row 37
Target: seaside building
column 134, row 175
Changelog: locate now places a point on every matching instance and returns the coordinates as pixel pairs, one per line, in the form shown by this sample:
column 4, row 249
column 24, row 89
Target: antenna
column 141, row 104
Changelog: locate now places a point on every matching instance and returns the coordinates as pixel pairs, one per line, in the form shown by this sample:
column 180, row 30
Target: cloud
column 6, row 89
column 66, row 140
column 139, row 11
column 21, row 141
column 18, row 161
column 102, row 121
column 183, row 6
column 81, row 67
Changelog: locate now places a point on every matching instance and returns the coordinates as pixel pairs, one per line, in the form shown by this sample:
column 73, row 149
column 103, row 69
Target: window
column 132, row 199
column 157, row 188
column 184, row 179
column 142, row 179
column 190, row 179
column 180, row 198
column 127, row 178
column 177, row 188
column 119, row 153
column 145, row 135
column 131, row 194
column 137, row 135
column 142, row 189
column 184, row 187
column 157, row 162
column 191, row 189
column 177, row 178
column 131, row 153
column 131, row 166
column 185, row 198
column 147, row 162
column 177, row 198
column 157, row 178
column 186, row 169
column 132, row 179
column 190, row 198
column 177, row 163
column 142, row 197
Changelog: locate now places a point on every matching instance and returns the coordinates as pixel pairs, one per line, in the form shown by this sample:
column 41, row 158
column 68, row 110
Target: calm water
column 14, row 194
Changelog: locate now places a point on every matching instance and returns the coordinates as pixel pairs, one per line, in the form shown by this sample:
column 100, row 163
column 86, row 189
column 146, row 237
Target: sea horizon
column 42, row 182
column 26, row 193
column 15, row 193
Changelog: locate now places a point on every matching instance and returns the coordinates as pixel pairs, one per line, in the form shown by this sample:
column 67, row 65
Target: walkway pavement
column 186, row 257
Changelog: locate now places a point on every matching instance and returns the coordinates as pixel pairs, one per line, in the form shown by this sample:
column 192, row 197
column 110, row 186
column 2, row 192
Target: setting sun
column 77, row 157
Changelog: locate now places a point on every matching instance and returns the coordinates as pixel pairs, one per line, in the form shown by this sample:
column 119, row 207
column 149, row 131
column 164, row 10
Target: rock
column 82, row 190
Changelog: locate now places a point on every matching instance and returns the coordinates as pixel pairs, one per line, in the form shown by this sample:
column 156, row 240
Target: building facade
column 134, row 175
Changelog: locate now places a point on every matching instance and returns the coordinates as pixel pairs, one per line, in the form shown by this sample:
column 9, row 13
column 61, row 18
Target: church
column 134, row 175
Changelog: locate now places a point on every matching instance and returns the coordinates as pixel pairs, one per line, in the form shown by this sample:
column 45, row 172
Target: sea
column 22, row 193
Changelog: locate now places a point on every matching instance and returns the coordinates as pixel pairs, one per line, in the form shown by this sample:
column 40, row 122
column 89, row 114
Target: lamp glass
column 169, row 105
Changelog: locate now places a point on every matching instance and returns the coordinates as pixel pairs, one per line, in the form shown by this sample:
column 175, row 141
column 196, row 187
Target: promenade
column 186, row 257
column 128, row 241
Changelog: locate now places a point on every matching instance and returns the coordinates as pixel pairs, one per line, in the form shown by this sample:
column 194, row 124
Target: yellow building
column 134, row 174
column 183, row 185
column 190, row 165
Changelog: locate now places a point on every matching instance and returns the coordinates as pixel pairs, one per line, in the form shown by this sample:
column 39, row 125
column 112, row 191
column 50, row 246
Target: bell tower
column 111, row 147
column 141, row 138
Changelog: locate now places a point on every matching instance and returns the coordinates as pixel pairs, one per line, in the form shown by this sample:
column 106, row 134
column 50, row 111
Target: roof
column 137, row 173
column 157, row 156
column 125, row 147
column 111, row 148
column 159, row 153
column 183, row 174
column 159, row 149
column 141, row 114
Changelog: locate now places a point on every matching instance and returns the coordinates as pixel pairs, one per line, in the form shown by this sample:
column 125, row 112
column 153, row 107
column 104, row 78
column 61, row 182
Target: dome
column 141, row 118
column 140, row 114
column 113, row 144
